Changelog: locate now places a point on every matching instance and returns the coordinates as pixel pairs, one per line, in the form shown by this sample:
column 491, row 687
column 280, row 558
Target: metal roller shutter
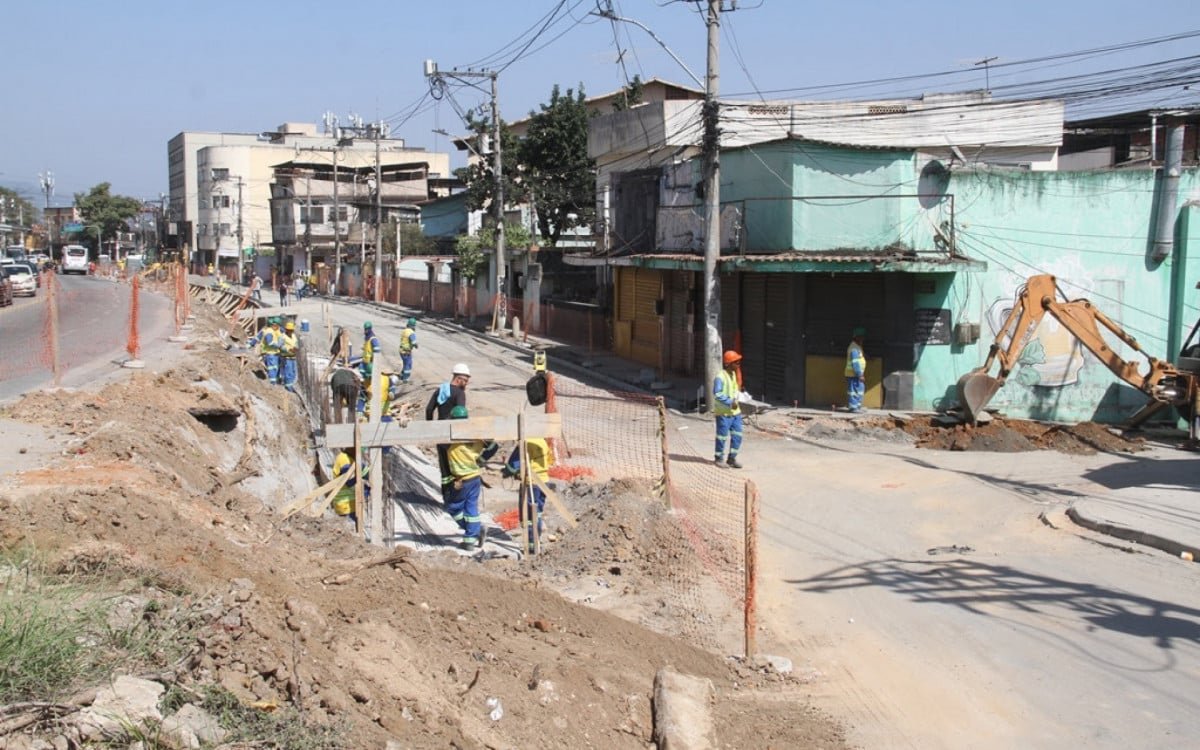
column 778, row 334
column 753, row 328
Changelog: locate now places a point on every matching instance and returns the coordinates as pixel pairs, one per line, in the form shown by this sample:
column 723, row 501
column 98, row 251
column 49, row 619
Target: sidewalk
column 1149, row 498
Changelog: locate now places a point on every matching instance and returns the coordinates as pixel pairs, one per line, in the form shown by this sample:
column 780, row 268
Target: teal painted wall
column 445, row 217
column 1092, row 231
column 772, row 174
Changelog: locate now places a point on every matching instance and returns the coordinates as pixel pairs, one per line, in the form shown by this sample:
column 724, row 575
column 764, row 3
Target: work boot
column 469, row 544
column 734, row 463
column 718, row 462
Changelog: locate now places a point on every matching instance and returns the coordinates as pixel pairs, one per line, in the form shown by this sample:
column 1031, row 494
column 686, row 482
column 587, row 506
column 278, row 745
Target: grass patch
column 283, row 728
column 58, row 633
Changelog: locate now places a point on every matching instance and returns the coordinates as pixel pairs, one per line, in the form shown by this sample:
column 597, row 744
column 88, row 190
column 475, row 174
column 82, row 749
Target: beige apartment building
column 220, row 183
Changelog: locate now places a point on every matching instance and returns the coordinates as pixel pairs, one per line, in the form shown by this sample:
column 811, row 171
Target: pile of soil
column 423, row 650
column 1016, row 435
column 998, row 436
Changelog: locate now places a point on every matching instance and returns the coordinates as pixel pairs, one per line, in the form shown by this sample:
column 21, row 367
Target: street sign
column 72, row 226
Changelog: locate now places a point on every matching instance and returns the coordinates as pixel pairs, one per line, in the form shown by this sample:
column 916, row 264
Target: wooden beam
column 381, row 434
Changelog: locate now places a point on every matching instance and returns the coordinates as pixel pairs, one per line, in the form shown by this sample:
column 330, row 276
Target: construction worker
column 343, row 501
column 371, row 347
column 856, row 371
column 408, row 342
column 345, row 386
column 391, row 390
column 450, row 394
column 289, row 345
column 728, row 410
column 466, row 461
column 541, row 458
column 270, row 339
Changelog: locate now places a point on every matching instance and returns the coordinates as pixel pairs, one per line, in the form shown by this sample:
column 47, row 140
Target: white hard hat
column 461, row 369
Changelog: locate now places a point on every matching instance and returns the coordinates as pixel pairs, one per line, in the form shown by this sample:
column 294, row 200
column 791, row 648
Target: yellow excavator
column 1164, row 383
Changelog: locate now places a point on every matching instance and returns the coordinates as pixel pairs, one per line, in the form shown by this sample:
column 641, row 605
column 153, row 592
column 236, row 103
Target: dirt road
column 936, row 610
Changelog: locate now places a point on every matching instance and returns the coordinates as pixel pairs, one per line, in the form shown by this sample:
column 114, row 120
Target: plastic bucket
column 304, row 325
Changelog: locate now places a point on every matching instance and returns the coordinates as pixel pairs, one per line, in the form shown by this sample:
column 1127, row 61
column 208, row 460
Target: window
column 220, row 201
column 224, row 230
column 202, row 230
column 220, row 173
column 343, row 213
column 317, row 214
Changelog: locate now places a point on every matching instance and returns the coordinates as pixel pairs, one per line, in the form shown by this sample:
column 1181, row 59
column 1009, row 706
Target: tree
column 109, row 212
column 631, row 95
column 555, row 165
column 479, row 177
column 412, row 240
column 15, row 210
column 469, row 248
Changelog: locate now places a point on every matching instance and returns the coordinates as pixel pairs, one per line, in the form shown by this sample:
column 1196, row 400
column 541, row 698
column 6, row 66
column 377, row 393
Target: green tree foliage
column 469, row 248
column 412, row 241
column 556, row 168
column 16, row 210
column 632, row 95
column 110, row 212
column 479, row 176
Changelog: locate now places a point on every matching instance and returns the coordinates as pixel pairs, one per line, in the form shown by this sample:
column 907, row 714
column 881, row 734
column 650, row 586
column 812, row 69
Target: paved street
column 921, row 593
column 93, row 326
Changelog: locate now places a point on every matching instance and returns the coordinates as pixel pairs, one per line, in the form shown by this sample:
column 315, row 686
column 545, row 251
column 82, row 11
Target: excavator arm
column 1161, row 382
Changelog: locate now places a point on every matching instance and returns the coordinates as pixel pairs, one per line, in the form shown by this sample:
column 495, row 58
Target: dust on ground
column 1000, row 435
column 392, row 646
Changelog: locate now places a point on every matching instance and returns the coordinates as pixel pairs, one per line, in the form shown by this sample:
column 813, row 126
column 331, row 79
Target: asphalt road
column 93, row 323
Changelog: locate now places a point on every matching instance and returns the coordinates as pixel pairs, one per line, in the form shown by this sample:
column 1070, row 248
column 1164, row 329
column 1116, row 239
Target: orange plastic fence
column 133, row 346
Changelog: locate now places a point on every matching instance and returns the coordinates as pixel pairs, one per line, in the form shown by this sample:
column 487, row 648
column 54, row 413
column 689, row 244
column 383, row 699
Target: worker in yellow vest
column 466, row 461
column 856, row 371
column 728, row 410
column 541, row 458
column 408, row 342
column 371, row 347
column 289, row 345
column 343, row 501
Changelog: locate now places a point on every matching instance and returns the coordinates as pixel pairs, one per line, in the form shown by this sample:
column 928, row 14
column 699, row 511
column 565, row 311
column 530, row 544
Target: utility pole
column 378, row 214
column 240, row 252
column 337, row 230
column 432, row 72
column 307, row 225
column 47, row 180
column 712, row 206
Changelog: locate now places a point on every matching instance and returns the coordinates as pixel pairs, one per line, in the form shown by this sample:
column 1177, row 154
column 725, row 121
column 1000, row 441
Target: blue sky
column 97, row 88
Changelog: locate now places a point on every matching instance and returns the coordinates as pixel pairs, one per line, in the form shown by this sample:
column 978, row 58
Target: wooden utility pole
column 712, row 207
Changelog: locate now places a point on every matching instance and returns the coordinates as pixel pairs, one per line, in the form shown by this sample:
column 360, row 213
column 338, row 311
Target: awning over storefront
column 807, row 262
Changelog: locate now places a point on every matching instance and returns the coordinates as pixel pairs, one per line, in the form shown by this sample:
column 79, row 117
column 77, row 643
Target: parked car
column 74, row 259
column 22, row 279
column 6, row 290
column 33, row 269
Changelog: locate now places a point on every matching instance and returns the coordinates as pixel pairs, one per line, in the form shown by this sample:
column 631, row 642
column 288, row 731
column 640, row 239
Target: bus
column 74, row 259
column 15, row 252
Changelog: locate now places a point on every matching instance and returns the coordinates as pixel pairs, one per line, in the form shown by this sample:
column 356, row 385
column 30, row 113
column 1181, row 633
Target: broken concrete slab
column 682, row 717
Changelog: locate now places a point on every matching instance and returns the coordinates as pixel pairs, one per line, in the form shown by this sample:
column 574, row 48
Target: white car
column 22, row 279
column 74, row 259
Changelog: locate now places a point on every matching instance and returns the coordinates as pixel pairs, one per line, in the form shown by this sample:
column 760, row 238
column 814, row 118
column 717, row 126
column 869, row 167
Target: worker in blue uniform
column 728, row 410
column 856, row 371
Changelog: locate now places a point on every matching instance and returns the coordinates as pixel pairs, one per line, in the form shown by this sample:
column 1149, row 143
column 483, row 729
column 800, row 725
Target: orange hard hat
column 731, row 357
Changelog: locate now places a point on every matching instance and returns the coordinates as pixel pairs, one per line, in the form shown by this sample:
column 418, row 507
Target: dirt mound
column 939, row 433
column 433, row 653
column 1016, row 435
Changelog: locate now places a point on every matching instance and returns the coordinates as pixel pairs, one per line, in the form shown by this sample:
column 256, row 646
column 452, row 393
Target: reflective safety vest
column 541, row 458
column 464, row 457
column 856, row 362
column 288, row 343
column 370, row 346
column 270, row 341
column 725, row 388
column 343, row 501
column 408, row 339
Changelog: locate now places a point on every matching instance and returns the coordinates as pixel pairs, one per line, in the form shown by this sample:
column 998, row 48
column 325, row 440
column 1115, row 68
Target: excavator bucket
column 975, row 391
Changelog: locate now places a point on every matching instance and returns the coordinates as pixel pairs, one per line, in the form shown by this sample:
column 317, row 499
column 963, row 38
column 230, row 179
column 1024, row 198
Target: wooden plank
column 380, row 434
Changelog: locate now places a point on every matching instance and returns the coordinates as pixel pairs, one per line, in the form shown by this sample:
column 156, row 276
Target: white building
column 220, row 182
